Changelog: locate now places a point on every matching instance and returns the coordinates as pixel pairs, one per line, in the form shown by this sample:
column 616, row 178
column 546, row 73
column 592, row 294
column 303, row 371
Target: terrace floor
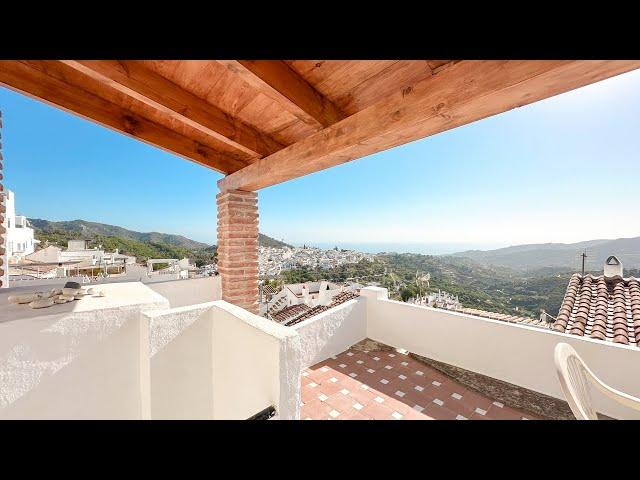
column 387, row 385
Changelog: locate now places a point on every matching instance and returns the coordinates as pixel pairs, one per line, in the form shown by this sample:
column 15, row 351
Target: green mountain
column 129, row 242
column 551, row 256
column 89, row 230
column 266, row 241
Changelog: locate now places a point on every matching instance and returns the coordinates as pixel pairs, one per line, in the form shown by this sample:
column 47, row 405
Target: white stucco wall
column 256, row 363
column 218, row 361
column 517, row 354
column 84, row 360
column 189, row 292
column 332, row 332
column 181, row 346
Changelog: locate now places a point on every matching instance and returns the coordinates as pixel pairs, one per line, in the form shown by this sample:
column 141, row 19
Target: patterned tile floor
column 388, row 385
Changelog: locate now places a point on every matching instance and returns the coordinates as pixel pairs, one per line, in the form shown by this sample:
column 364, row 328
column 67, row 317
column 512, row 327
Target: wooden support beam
column 462, row 93
column 135, row 80
column 46, row 81
column 275, row 79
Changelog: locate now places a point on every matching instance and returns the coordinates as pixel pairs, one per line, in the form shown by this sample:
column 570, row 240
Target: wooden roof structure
column 263, row 122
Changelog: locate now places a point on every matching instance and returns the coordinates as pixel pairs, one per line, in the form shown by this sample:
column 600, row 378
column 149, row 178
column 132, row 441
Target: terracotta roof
column 532, row 322
column 308, row 314
column 343, row 297
column 290, row 312
column 337, row 300
column 603, row 308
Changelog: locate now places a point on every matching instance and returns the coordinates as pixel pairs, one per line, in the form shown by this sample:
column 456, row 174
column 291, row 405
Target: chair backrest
column 574, row 380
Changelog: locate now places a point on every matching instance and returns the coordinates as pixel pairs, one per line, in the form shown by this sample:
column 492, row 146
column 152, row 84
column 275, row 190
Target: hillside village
column 274, row 260
column 480, row 282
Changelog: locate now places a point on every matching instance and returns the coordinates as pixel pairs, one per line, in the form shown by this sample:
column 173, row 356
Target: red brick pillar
column 3, row 237
column 238, row 247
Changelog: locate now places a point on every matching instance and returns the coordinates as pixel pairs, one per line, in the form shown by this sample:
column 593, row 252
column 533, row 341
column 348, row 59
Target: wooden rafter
column 464, row 92
column 44, row 81
column 275, row 79
column 133, row 79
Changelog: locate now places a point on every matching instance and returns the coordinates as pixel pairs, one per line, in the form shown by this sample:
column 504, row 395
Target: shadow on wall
column 218, row 361
column 182, row 364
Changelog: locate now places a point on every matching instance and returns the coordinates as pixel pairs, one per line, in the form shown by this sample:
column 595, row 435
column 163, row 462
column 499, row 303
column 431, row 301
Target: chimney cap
column 613, row 267
column 612, row 260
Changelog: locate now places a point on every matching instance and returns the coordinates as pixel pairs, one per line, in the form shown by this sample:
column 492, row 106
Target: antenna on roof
column 584, row 256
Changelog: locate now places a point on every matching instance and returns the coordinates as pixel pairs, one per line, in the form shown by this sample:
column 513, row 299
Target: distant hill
column 89, row 230
column 65, row 230
column 266, row 241
column 560, row 255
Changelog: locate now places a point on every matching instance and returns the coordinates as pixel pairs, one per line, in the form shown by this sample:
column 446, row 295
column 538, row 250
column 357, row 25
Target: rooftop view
column 395, row 240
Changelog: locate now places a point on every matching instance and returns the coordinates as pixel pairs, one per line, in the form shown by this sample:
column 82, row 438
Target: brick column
column 238, row 247
column 4, row 264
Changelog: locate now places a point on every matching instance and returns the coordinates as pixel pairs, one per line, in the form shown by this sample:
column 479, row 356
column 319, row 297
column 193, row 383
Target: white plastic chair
column 574, row 375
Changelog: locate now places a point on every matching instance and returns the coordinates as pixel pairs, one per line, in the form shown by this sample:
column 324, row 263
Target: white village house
column 19, row 236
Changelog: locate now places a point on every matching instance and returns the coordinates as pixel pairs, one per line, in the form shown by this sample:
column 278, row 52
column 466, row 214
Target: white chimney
column 612, row 267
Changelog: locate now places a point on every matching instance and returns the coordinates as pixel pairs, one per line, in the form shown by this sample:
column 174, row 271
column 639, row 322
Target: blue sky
column 560, row 170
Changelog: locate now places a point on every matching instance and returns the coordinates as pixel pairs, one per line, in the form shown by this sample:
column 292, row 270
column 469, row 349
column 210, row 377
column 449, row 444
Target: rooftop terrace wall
column 517, row 354
column 83, row 360
column 218, row 361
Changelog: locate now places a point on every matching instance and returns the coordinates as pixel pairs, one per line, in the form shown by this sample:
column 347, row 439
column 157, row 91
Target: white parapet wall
column 88, row 359
column 218, row 361
column 189, row 292
column 517, row 354
column 332, row 332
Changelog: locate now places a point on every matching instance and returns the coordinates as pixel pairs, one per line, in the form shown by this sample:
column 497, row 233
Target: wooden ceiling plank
column 281, row 83
column 34, row 79
column 395, row 77
column 135, row 80
column 462, row 93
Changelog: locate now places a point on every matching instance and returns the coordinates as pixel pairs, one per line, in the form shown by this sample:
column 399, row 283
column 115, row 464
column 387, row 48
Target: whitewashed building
column 20, row 239
column 78, row 250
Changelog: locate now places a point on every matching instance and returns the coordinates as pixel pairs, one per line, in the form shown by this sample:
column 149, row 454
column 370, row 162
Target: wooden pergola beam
column 465, row 92
column 45, row 81
column 135, row 80
column 276, row 80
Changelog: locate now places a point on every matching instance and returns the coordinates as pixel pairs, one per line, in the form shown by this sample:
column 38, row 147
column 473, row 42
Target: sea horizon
column 398, row 247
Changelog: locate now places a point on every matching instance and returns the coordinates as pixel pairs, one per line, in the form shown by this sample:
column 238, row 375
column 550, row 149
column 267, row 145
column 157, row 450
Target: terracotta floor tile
column 318, row 376
column 357, row 416
column 419, row 398
column 439, row 413
column 477, row 416
column 377, row 411
column 316, row 409
column 342, row 405
column 476, row 399
column 415, row 415
column 329, row 388
column 460, row 407
column 350, row 383
column 308, row 394
column 364, row 397
column 398, row 405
